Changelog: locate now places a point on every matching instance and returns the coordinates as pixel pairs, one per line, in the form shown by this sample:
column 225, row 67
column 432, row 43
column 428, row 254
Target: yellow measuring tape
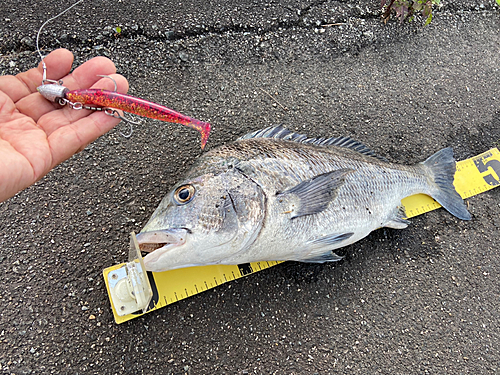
column 474, row 176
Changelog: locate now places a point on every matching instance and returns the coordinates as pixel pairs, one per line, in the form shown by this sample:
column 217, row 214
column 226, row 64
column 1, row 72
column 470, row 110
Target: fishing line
column 44, row 77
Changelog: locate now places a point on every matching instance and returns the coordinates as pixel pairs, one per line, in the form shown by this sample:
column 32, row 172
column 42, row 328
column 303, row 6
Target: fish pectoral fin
column 315, row 194
column 320, row 249
column 398, row 219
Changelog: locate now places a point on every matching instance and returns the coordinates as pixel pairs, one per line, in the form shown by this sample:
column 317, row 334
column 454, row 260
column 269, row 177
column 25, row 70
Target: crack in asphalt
column 173, row 35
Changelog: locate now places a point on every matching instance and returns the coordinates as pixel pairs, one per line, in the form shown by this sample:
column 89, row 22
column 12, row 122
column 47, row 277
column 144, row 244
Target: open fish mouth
column 158, row 242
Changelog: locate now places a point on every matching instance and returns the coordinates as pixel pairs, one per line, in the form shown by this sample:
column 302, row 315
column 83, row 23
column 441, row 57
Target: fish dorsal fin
column 279, row 132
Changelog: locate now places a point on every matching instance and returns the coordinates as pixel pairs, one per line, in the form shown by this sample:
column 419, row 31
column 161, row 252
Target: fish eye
column 184, row 194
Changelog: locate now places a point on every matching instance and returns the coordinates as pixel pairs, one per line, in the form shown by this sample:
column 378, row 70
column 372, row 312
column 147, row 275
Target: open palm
column 36, row 135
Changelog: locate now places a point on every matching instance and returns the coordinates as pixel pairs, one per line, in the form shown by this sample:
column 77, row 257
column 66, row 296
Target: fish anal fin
column 398, row 219
column 329, row 256
column 315, row 194
column 320, row 249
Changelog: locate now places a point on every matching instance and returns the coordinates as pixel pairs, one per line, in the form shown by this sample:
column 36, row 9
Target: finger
column 13, row 88
column 84, row 76
column 35, row 106
column 87, row 74
column 73, row 138
column 7, row 108
column 58, row 62
column 54, row 120
column 58, row 65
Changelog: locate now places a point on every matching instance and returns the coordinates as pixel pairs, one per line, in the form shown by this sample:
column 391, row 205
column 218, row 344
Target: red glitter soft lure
column 111, row 101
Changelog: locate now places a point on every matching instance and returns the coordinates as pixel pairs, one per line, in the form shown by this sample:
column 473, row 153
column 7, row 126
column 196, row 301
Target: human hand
column 35, row 134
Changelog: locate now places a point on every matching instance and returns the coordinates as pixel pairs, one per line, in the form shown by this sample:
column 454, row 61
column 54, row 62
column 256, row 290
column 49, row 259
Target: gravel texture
column 423, row 300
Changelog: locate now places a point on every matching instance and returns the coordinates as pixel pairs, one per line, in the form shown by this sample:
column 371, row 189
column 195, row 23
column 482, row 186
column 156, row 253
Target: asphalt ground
column 415, row 301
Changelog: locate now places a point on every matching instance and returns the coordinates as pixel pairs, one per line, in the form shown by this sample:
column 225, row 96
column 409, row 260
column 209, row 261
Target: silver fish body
column 278, row 195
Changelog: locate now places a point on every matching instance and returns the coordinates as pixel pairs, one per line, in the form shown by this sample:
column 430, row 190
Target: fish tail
column 443, row 166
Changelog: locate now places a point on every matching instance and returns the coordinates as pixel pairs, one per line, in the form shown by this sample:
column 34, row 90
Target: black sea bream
column 278, row 195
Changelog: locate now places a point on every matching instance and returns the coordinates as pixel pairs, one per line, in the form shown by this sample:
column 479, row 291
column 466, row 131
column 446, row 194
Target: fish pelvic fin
column 443, row 166
column 315, row 194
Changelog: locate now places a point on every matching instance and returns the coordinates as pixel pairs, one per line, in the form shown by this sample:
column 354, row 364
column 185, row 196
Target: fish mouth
column 157, row 242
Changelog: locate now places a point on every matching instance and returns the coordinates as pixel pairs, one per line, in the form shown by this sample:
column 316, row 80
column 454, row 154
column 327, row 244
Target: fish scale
column 360, row 207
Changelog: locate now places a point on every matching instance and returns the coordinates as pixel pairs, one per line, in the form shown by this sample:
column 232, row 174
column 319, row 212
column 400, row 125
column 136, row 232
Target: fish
column 278, row 195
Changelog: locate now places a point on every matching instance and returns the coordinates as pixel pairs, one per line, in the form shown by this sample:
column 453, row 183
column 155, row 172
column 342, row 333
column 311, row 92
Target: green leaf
column 118, row 29
column 429, row 18
column 498, row 2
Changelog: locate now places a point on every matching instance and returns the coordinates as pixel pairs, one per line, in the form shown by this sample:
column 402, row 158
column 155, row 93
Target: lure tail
column 204, row 129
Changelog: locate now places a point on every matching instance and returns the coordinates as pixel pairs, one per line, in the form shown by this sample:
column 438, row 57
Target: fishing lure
column 111, row 101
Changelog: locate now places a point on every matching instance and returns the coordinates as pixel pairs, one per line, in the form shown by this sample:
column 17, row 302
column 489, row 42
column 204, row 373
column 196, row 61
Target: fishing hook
column 114, row 113
column 111, row 78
